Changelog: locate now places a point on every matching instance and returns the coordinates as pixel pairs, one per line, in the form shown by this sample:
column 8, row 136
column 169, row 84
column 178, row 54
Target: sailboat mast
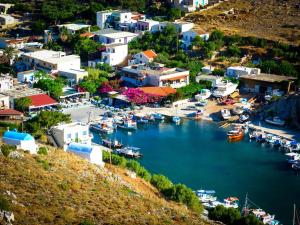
column 294, row 214
column 245, row 209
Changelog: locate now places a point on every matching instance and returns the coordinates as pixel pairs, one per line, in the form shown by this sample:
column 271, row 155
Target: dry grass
column 271, row 19
column 71, row 190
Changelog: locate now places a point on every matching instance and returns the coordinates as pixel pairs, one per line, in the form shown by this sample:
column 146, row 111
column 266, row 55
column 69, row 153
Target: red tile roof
column 10, row 112
column 150, row 54
column 159, row 91
column 175, row 78
column 87, row 34
column 41, row 100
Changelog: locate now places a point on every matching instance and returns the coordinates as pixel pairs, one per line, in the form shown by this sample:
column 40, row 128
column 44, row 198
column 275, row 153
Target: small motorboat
column 202, row 102
column 235, row 135
column 128, row 124
column 130, row 152
column 225, row 114
column 102, row 127
column 244, row 118
column 158, row 116
column 275, row 121
column 176, row 119
column 238, row 110
column 112, row 143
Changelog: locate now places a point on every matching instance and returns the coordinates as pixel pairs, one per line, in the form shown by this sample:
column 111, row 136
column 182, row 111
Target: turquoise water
column 197, row 154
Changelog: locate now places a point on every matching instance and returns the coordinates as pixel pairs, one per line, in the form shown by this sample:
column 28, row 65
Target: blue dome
column 18, row 136
column 75, row 147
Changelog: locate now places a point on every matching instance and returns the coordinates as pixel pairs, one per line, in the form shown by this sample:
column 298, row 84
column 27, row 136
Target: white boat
column 211, row 204
column 102, row 127
column 264, row 217
column 206, row 195
column 204, row 94
column 202, row 102
column 158, row 116
column 176, row 119
column 243, row 118
column 231, row 202
column 275, row 121
column 224, row 88
column 238, row 110
column 225, row 114
column 130, row 152
column 128, row 124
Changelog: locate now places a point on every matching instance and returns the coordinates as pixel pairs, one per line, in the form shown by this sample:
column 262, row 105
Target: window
column 84, row 132
column 69, row 135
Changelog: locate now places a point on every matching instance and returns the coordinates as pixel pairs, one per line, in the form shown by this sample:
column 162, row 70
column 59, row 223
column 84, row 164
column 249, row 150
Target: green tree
column 53, row 86
column 234, row 50
column 198, row 42
column 161, row 182
column 22, row 104
column 216, row 35
column 39, row 26
column 85, row 46
column 174, row 13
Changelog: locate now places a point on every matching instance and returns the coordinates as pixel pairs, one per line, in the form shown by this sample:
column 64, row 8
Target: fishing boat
column 204, row 94
column 176, row 119
column 206, row 195
column 149, row 117
column 130, row 152
column 275, row 121
column 244, row 118
column 264, row 217
column 128, row 124
column 225, row 114
column 235, row 135
column 101, row 127
column 202, row 102
column 238, row 110
column 231, row 202
column 112, row 143
column 211, row 204
column 158, row 116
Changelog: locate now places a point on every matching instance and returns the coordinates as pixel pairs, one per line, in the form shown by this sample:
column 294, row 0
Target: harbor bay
column 198, row 154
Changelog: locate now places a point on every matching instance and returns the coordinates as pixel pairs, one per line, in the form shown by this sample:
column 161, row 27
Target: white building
column 27, row 76
column 207, row 69
column 189, row 5
column 111, row 36
column 73, row 76
column 65, row 134
column 115, row 54
column 237, row 71
column 190, row 35
column 6, row 83
column 147, row 25
column 18, row 43
column 142, row 57
column 105, row 19
column 4, row 7
column 73, row 27
column 4, row 101
column 20, row 140
column 182, row 26
column 156, row 75
column 93, row 153
column 50, row 61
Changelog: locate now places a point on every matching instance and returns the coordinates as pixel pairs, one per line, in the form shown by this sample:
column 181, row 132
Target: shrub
column 44, row 164
column 86, row 222
column 64, row 186
column 161, row 182
column 4, row 204
column 138, row 169
column 43, row 151
column 6, row 149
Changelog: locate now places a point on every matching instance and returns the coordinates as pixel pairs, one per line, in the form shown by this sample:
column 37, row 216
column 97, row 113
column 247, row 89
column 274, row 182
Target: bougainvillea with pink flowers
column 105, row 88
column 137, row 96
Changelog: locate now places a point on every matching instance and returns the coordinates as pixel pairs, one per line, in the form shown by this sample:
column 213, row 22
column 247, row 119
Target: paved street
column 84, row 113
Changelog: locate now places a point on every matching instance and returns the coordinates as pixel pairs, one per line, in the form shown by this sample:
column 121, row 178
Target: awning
column 175, row 78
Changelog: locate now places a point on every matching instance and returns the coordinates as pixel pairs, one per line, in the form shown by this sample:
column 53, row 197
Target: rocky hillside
column 61, row 188
column 271, row 19
column 287, row 108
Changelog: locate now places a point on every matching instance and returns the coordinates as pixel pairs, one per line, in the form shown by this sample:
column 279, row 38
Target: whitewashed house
column 182, row 26
column 111, row 36
column 147, row 25
column 65, row 134
column 73, row 76
column 188, row 5
column 20, row 140
column 50, row 61
column 72, row 28
column 237, row 71
column 93, row 153
column 27, row 76
column 155, row 76
column 7, row 20
column 17, row 43
column 115, row 54
column 6, row 82
column 143, row 57
column 189, row 36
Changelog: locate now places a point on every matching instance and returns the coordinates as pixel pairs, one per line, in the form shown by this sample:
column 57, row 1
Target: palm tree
column 9, row 53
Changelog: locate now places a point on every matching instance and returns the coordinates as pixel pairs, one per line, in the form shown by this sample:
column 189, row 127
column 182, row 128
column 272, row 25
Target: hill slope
column 61, row 188
column 270, row 19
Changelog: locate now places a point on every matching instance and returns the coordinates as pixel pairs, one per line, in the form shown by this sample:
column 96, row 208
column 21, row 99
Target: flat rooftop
column 111, row 33
column 20, row 91
column 51, row 56
column 74, row 26
column 267, row 77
